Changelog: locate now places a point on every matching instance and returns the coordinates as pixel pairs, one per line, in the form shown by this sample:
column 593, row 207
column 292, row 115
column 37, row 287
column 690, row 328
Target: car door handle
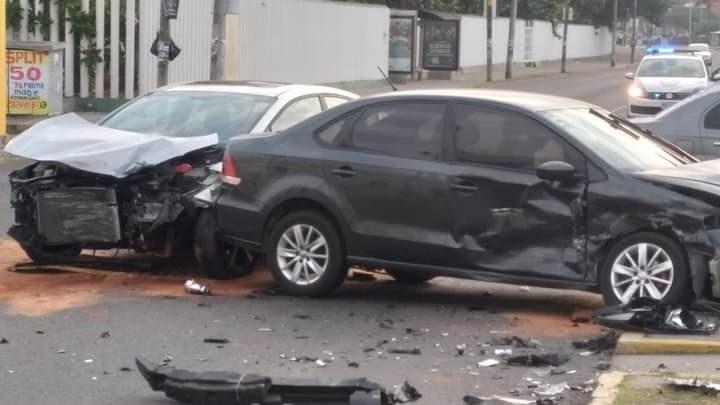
column 344, row 171
column 464, row 187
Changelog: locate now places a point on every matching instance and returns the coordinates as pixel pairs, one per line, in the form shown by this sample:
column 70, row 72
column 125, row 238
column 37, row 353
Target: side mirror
column 715, row 76
column 630, row 75
column 555, row 170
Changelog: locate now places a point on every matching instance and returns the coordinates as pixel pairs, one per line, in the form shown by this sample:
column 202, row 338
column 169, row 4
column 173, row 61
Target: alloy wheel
column 302, row 254
column 642, row 270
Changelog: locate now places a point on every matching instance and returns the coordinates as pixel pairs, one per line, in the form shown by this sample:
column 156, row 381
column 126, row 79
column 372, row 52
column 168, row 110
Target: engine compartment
column 62, row 209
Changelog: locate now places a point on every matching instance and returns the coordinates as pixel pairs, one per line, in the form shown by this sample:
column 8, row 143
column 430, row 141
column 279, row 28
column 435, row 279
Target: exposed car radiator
column 76, row 215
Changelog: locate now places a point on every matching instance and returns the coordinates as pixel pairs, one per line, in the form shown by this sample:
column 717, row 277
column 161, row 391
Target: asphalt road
column 54, row 319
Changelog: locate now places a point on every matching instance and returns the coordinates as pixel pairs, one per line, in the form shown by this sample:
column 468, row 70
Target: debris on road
column 302, row 316
column 601, row 343
column 705, row 387
column 404, row 393
column 539, row 360
column 503, row 352
column 414, row 351
column 3, row 341
column 265, row 329
column 216, row 340
column 230, row 388
column 105, row 334
column 551, row 390
column 193, row 287
column 514, row 341
column 361, row 276
column 603, row 366
column 88, row 361
column 460, row 349
column 125, row 369
column 353, row 364
column 581, row 315
column 386, row 324
column 497, row 400
column 653, row 316
column 488, row 363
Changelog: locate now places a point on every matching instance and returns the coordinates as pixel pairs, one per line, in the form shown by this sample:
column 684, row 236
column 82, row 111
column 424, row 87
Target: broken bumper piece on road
column 649, row 315
column 230, row 388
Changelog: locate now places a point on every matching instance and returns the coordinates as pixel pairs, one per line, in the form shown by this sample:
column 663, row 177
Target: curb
column 607, row 388
column 638, row 343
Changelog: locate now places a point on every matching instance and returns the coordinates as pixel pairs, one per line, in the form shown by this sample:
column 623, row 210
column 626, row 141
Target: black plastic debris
column 653, row 316
column 404, row 393
column 230, row 388
column 386, row 324
column 302, row 316
column 514, row 341
column 472, row 400
column 401, row 350
column 125, row 369
column 216, row 340
column 538, row 360
column 601, row 343
column 354, row 364
column 3, row 341
column 105, row 334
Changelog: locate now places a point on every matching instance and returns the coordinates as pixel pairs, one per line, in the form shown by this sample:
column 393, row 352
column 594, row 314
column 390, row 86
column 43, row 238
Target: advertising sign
column 440, row 44
column 402, row 34
column 27, row 72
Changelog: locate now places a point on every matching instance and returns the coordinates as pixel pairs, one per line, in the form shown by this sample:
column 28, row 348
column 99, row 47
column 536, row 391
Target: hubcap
column 642, row 270
column 302, row 254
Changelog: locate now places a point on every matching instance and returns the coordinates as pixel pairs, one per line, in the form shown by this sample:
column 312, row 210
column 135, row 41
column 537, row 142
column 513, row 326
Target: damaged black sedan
column 488, row 185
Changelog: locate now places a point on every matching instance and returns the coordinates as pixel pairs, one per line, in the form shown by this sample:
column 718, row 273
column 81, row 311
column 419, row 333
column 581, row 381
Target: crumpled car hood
column 75, row 142
column 704, row 176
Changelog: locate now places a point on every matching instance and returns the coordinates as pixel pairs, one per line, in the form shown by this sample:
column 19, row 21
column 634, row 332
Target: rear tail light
column 229, row 173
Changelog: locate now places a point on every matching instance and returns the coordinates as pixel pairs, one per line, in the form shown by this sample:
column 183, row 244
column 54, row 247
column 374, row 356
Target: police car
column 663, row 79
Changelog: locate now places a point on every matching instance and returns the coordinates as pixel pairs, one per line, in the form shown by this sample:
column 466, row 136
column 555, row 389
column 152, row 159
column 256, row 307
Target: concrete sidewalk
column 544, row 69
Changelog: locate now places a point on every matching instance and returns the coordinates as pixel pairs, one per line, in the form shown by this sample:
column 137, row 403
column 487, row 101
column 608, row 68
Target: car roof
column 260, row 88
column 526, row 100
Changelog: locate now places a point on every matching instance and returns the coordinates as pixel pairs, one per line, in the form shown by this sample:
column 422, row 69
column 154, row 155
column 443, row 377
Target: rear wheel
column 645, row 265
column 216, row 258
column 409, row 277
column 306, row 254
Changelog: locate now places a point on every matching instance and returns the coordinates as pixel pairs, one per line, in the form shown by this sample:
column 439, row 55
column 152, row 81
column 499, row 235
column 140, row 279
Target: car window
column 330, row 133
column 712, row 118
column 671, row 67
column 191, row 113
column 412, row 130
column 331, row 101
column 508, row 139
column 295, row 112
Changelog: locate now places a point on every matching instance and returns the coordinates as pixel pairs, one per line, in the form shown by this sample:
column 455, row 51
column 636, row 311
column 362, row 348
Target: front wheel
column 645, row 265
column 306, row 254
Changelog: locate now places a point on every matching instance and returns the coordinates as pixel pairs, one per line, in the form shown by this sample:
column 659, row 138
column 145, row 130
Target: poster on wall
column 27, row 72
column 440, row 44
column 401, row 44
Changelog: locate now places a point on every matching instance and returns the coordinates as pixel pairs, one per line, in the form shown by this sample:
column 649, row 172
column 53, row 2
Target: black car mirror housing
column 555, row 170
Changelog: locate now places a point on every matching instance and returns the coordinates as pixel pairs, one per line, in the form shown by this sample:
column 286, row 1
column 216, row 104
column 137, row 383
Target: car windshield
column 619, row 145
column 699, row 47
column 671, row 67
column 191, row 113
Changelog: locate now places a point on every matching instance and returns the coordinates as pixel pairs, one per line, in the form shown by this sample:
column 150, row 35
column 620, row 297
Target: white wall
column 583, row 41
column 307, row 41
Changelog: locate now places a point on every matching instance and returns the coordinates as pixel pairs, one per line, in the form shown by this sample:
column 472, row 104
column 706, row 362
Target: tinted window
column 508, row 139
column 331, row 101
column 330, row 133
column 191, row 113
column 411, row 130
column 712, row 118
column 296, row 112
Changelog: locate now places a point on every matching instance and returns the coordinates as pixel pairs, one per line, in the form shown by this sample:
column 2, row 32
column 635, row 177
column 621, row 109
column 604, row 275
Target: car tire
column 665, row 274
column 306, row 254
column 216, row 258
column 409, row 277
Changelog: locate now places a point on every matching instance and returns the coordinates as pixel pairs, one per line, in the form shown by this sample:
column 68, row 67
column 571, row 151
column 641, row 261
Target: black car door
column 388, row 167
column 506, row 219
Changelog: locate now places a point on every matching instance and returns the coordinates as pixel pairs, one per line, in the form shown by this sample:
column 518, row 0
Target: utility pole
column 163, row 47
column 217, row 67
column 489, row 48
column 511, row 40
column 614, row 33
column 566, row 13
column 633, row 41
